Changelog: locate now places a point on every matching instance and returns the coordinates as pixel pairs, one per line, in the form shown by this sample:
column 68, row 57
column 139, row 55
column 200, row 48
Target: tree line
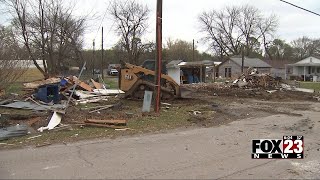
column 48, row 30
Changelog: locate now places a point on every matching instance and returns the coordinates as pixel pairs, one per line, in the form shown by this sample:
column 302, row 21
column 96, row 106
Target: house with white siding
column 307, row 69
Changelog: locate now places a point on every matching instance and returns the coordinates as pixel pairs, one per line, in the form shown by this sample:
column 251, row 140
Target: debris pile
column 206, row 86
column 252, row 79
column 51, row 98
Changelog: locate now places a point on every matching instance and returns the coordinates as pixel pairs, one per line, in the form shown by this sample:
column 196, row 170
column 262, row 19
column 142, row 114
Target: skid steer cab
column 134, row 80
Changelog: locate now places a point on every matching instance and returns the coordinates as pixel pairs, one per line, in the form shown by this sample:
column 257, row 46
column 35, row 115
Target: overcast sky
column 180, row 18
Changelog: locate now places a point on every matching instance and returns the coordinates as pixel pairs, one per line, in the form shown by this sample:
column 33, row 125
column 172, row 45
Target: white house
column 306, row 69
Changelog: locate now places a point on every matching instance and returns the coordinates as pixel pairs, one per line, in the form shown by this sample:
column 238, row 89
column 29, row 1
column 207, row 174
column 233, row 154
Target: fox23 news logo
column 289, row 147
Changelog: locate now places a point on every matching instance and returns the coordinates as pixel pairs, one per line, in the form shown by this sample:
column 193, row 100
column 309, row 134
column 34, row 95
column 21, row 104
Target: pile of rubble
column 54, row 96
column 252, row 79
column 206, row 86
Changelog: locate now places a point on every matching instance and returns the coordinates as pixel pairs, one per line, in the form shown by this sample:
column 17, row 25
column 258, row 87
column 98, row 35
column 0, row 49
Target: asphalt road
column 217, row 152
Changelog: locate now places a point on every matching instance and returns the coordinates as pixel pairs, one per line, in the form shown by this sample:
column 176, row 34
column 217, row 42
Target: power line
column 104, row 15
column 301, row 8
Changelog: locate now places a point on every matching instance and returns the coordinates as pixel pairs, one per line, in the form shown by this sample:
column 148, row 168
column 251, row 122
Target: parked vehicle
column 113, row 72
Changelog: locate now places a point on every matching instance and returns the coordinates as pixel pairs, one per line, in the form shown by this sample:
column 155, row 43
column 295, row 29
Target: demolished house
column 231, row 67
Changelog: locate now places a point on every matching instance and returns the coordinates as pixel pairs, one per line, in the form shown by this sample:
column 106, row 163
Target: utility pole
column 93, row 57
column 192, row 49
column 159, row 56
column 102, row 53
column 242, row 59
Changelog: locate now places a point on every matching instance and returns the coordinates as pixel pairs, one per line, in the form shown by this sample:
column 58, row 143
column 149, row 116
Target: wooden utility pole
column 101, row 69
column 159, row 56
column 93, row 56
column 242, row 59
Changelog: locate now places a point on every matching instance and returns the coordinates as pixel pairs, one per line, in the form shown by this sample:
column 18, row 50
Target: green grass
column 31, row 74
column 112, row 82
column 310, row 85
column 15, row 87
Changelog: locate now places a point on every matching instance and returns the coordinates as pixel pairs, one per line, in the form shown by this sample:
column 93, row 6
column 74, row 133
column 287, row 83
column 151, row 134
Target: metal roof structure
column 176, row 63
column 250, row 62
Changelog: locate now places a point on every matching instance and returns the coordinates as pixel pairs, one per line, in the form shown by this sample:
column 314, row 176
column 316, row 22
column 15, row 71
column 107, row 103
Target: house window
column 318, row 70
column 313, row 69
column 227, row 72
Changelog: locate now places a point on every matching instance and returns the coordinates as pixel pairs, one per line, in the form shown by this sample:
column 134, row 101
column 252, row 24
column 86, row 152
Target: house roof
column 251, row 62
column 200, row 63
column 309, row 61
column 278, row 63
column 174, row 63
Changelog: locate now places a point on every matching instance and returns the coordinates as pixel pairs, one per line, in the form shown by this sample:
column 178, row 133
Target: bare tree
column 131, row 20
column 49, row 32
column 220, row 29
column 229, row 29
column 267, row 28
column 305, row 46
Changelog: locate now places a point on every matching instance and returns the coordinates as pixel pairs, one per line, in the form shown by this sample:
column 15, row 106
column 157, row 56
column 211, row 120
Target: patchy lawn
column 310, row 85
column 175, row 116
column 15, row 87
column 112, row 81
column 32, row 74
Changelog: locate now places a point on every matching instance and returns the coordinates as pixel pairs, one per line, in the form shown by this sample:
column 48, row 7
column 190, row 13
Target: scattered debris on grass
column 53, row 96
column 70, row 105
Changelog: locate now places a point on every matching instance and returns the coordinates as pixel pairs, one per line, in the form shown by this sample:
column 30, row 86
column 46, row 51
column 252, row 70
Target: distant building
column 278, row 67
column 307, row 69
column 231, row 68
column 189, row 72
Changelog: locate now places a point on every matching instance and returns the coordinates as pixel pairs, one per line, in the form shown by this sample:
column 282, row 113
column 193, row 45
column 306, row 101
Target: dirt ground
column 206, row 105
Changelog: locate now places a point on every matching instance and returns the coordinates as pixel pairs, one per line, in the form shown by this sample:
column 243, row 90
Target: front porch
column 303, row 73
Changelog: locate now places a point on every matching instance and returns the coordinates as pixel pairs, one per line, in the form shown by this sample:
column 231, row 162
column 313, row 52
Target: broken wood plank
column 123, row 129
column 93, row 108
column 85, row 86
column 36, row 84
column 101, row 121
column 166, row 104
column 96, row 84
column 102, row 125
column 106, row 107
column 34, row 136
